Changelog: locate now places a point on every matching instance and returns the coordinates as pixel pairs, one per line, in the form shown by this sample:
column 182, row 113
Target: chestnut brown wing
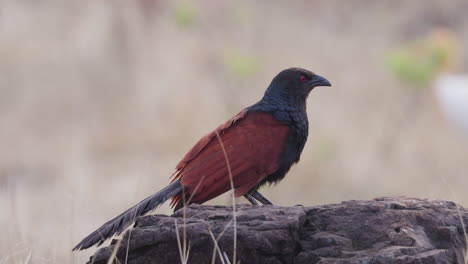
column 253, row 143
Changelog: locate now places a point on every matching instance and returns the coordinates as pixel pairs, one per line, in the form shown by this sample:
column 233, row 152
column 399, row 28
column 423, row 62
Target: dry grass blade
column 194, row 191
column 184, row 217
column 28, row 258
column 183, row 253
column 128, row 245
column 178, row 241
column 114, row 252
column 227, row 258
column 234, row 213
column 128, row 239
column 465, row 254
column 215, row 241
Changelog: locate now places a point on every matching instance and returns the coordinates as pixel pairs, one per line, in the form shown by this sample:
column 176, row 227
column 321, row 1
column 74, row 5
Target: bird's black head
column 294, row 85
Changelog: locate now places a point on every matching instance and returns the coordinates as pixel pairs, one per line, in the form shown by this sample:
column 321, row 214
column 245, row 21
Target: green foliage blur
column 418, row 63
column 184, row 15
column 241, row 66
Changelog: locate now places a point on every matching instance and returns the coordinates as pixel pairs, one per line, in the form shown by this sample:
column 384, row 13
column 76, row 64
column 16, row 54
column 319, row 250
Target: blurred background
column 100, row 99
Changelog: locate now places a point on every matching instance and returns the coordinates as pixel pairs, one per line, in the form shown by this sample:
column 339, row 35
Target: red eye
column 302, row 78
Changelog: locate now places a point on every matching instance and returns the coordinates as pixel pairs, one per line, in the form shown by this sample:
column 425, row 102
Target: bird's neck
column 284, row 109
column 296, row 117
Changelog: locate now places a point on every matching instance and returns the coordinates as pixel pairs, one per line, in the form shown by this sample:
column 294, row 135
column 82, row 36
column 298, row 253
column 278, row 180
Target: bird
column 257, row 146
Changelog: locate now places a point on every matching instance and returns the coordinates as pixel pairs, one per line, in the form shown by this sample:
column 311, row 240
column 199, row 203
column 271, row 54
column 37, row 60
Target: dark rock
column 384, row 230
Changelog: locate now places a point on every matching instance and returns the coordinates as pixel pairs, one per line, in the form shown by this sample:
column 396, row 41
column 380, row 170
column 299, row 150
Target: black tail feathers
column 122, row 221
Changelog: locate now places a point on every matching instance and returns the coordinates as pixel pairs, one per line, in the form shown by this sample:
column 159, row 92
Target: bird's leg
column 249, row 198
column 260, row 198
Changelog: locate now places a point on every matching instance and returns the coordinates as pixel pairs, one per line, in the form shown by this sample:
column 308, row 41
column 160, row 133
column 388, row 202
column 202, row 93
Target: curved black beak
column 318, row 80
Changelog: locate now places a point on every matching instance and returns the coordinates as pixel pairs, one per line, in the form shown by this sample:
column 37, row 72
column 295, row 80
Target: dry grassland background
column 100, row 99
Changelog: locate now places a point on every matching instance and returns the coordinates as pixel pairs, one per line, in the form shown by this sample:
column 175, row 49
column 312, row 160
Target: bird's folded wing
column 252, row 144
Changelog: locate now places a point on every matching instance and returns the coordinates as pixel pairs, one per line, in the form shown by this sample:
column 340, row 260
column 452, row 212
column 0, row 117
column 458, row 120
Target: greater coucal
column 261, row 143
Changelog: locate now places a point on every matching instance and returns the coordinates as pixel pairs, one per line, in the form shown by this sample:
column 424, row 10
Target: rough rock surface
column 383, row 230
